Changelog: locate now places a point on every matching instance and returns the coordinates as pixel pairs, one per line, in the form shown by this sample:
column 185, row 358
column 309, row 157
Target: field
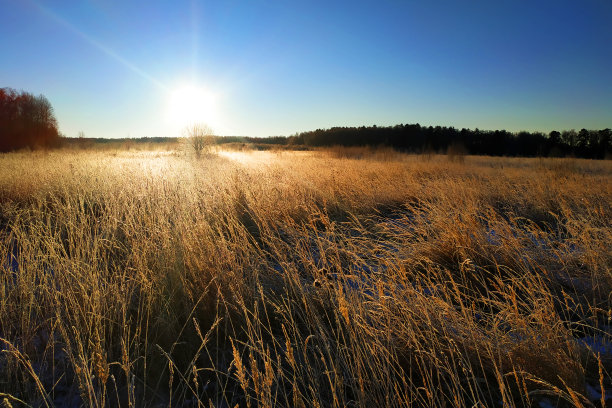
column 341, row 277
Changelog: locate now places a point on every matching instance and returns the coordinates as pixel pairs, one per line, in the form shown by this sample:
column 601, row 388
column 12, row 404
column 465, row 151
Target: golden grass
column 329, row 278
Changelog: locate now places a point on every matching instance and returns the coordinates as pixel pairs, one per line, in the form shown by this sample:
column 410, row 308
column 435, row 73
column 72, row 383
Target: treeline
column 26, row 121
column 416, row 138
column 114, row 143
column 270, row 140
column 595, row 144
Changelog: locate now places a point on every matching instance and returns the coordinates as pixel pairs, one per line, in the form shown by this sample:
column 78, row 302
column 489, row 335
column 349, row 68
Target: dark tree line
column 416, row 138
column 26, row 121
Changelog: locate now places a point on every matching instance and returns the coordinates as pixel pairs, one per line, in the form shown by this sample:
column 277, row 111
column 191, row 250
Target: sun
column 189, row 104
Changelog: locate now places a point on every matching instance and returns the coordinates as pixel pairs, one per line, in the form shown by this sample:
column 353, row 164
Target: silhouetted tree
column 569, row 138
column 604, row 147
column 26, row 121
column 554, row 138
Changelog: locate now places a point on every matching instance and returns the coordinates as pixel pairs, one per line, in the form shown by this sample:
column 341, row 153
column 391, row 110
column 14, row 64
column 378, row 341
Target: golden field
column 342, row 277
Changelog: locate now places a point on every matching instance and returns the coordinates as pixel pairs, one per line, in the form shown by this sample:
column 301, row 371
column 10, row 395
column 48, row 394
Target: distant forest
column 596, row 144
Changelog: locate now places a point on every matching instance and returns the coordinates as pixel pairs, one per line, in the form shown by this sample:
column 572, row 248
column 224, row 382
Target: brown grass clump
column 342, row 277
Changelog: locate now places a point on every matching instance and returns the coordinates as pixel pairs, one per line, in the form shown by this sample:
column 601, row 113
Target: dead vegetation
column 326, row 278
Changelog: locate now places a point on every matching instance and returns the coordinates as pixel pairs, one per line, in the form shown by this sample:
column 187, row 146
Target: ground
column 341, row 277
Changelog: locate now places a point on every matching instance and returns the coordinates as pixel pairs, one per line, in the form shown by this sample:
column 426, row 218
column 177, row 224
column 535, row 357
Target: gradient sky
column 109, row 67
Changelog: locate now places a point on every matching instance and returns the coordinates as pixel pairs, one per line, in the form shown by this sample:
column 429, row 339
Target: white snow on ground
column 594, row 394
column 597, row 344
column 545, row 403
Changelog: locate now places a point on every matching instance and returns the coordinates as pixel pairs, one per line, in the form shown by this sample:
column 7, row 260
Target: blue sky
column 111, row 68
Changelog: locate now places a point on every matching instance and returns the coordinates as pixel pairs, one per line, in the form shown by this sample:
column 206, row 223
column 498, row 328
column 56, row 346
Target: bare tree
column 200, row 138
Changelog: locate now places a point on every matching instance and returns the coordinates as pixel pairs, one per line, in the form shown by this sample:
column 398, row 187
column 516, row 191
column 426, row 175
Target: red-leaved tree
column 26, row 121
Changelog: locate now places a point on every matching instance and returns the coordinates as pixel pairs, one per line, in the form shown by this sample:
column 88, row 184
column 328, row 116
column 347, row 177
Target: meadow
column 340, row 277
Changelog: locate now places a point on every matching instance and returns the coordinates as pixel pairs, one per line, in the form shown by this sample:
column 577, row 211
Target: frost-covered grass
column 340, row 278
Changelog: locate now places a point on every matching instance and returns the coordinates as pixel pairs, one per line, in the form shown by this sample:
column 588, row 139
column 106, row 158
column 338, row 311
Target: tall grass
column 326, row 278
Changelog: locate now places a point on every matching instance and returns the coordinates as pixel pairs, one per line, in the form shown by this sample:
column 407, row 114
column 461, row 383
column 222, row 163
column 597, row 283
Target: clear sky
column 116, row 68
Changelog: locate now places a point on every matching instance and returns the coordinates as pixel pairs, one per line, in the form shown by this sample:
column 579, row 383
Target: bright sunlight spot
column 189, row 104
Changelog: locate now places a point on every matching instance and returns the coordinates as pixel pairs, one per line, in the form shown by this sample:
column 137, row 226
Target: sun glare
column 189, row 104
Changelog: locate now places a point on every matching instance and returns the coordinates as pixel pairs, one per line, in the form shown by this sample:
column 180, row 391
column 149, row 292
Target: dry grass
column 138, row 278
